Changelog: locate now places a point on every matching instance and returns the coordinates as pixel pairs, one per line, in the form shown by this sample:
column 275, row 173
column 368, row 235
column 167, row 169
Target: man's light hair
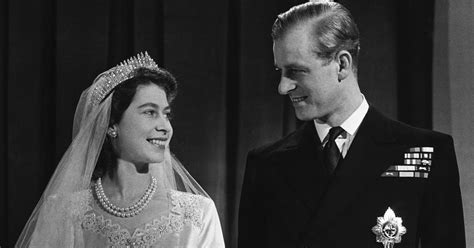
column 333, row 28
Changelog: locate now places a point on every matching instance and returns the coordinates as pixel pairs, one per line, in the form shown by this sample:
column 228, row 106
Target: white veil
column 74, row 172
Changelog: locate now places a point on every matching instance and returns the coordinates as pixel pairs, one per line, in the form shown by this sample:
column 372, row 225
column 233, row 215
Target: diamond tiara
column 125, row 70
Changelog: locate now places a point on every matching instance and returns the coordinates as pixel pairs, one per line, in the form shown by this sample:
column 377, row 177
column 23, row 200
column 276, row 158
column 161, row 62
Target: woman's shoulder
column 76, row 203
column 186, row 199
column 71, row 198
column 192, row 207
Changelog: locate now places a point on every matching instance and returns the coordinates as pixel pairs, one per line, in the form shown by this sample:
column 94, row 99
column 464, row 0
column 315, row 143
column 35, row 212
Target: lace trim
column 81, row 203
column 185, row 211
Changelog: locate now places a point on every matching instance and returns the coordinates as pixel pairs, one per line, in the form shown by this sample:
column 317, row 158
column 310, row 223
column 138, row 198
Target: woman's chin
column 157, row 158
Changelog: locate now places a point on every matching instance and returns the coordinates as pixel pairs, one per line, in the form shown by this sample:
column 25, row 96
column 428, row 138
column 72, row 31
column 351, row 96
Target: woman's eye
column 150, row 112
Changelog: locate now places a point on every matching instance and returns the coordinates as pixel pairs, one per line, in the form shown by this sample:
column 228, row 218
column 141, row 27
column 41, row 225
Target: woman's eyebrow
column 149, row 104
column 154, row 105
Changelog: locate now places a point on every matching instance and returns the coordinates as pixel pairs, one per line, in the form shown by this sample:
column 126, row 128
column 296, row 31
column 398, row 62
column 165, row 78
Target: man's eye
column 292, row 73
column 168, row 116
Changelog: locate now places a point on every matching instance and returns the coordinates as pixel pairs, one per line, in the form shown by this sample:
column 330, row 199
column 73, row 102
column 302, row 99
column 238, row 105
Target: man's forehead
column 291, row 51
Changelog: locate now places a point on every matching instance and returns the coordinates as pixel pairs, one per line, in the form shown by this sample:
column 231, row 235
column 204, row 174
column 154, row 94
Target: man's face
column 309, row 81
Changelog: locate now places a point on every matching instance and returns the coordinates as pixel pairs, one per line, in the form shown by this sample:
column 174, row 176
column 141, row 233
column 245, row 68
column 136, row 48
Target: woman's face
column 144, row 131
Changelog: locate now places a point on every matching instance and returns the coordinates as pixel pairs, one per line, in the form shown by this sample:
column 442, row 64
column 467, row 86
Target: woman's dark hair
column 122, row 96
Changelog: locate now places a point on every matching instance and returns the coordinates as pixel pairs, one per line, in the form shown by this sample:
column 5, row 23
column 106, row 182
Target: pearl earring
column 112, row 133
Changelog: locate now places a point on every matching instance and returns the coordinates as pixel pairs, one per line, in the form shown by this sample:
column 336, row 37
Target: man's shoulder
column 289, row 141
column 408, row 133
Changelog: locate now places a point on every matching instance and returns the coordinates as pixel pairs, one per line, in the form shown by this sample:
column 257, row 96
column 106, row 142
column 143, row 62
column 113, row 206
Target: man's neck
column 343, row 111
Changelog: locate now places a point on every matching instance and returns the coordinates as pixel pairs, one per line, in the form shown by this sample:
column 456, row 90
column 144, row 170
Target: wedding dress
column 181, row 220
column 68, row 215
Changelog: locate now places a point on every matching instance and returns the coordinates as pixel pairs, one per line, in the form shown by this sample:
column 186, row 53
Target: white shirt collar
column 350, row 125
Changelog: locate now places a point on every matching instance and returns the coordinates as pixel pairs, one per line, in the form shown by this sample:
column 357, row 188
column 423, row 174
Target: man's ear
column 344, row 60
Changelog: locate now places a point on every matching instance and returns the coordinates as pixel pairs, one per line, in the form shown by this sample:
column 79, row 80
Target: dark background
column 220, row 52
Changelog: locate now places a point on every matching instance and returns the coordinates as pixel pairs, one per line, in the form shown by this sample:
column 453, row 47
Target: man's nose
column 285, row 86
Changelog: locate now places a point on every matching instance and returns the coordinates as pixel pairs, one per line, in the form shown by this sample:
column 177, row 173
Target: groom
column 349, row 177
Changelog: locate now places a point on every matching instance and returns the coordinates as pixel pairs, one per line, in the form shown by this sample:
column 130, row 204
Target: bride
column 118, row 185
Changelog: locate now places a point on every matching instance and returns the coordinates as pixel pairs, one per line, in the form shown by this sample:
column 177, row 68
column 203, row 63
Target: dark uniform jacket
column 289, row 200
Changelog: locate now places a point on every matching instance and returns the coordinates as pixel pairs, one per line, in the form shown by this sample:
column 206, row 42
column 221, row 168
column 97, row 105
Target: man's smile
column 297, row 99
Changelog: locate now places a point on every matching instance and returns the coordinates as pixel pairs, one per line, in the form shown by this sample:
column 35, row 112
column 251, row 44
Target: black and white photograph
column 237, row 123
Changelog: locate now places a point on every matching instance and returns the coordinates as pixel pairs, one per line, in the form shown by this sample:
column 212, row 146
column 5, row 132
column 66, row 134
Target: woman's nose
column 163, row 125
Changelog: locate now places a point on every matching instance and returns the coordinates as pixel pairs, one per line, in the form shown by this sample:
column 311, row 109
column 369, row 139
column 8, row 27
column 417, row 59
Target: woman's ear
column 344, row 60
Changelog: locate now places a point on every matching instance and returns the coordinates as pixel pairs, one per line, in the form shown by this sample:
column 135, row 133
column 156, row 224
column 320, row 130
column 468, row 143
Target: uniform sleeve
column 211, row 233
column 442, row 222
column 251, row 214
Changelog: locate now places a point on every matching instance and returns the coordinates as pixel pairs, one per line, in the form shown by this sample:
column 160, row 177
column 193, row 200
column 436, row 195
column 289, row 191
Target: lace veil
column 74, row 171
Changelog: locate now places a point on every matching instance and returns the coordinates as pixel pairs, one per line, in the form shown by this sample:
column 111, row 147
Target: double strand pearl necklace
column 128, row 211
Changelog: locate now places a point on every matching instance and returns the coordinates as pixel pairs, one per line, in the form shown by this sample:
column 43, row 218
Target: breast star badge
column 389, row 229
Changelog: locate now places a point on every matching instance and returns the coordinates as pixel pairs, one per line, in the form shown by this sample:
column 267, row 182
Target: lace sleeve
column 59, row 220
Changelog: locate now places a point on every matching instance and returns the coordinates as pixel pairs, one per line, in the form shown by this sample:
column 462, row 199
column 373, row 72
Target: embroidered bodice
column 186, row 210
column 172, row 219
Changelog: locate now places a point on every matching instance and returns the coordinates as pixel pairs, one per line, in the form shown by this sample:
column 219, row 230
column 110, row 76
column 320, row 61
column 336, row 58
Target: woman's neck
column 126, row 183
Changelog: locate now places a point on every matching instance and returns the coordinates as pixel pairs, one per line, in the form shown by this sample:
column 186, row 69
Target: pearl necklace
column 128, row 211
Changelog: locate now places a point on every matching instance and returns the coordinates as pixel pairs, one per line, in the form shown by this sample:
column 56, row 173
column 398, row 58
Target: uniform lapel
column 299, row 161
column 361, row 166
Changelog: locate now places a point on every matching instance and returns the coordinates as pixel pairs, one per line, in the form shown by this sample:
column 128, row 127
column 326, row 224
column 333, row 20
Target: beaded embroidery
column 185, row 210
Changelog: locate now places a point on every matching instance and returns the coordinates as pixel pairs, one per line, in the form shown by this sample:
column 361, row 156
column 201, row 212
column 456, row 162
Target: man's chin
column 304, row 116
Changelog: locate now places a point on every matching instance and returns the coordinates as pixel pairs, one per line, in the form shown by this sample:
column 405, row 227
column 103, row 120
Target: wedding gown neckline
column 185, row 211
